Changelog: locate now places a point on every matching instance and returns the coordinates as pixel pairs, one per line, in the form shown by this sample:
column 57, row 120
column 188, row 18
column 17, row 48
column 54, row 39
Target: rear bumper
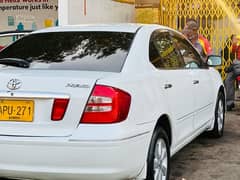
column 51, row 159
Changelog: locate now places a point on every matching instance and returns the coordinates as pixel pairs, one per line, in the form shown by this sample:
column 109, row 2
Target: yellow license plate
column 16, row 110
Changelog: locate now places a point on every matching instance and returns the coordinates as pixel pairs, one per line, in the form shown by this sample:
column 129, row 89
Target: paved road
column 211, row 159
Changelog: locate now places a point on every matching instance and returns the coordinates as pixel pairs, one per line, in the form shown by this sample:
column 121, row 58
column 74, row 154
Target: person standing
column 232, row 72
column 199, row 41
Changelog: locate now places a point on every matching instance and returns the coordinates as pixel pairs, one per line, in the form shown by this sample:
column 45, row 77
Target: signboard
column 28, row 14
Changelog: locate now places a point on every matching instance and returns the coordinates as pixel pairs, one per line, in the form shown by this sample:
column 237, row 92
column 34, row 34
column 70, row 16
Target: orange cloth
column 205, row 44
column 235, row 48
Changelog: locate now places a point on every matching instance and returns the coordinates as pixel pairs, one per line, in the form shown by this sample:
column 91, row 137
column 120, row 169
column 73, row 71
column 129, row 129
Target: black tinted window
column 94, row 51
column 163, row 53
column 189, row 55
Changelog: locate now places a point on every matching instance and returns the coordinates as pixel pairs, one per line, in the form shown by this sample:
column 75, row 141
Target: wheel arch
column 222, row 90
column 165, row 123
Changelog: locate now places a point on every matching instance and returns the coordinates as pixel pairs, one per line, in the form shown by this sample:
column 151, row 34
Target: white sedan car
column 104, row 102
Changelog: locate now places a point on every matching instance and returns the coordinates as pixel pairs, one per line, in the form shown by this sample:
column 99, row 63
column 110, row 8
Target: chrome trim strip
column 113, row 140
column 204, row 107
column 31, row 95
column 21, row 137
column 29, row 136
column 14, row 33
column 186, row 115
column 192, row 113
column 143, row 123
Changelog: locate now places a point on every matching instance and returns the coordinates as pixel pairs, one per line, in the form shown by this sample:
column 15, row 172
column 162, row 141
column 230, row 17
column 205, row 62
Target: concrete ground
column 211, row 159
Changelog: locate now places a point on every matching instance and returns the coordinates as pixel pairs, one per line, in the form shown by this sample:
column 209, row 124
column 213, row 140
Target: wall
column 148, row 15
column 28, row 14
column 37, row 14
column 95, row 11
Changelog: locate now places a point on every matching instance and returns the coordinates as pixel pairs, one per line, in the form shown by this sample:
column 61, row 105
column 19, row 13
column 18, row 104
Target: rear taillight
column 106, row 105
column 59, row 109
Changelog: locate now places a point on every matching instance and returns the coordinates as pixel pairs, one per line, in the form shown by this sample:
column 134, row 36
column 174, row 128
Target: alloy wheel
column 160, row 161
column 220, row 115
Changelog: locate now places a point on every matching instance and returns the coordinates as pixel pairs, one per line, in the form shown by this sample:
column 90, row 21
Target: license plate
column 16, row 110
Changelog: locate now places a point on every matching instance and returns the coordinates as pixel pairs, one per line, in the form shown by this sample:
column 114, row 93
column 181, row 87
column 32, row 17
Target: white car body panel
column 69, row 149
column 203, row 106
column 51, row 85
column 182, row 112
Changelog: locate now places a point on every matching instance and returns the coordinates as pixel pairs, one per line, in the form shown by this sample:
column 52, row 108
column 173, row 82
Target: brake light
column 106, row 105
column 59, row 109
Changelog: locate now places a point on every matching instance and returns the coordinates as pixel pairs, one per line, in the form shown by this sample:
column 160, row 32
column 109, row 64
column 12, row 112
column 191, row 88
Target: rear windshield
column 91, row 51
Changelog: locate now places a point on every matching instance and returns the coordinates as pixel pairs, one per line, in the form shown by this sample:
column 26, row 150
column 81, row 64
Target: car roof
column 94, row 27
column 122, row 27
column 14, row 32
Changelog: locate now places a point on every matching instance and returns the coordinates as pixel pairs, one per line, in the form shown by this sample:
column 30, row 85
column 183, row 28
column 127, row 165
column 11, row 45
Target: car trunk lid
column 26, row 106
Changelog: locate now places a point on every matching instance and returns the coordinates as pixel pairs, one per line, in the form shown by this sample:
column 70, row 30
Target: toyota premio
column 104, row 102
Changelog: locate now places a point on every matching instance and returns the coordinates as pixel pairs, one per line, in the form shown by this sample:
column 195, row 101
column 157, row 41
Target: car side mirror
column 214, row 60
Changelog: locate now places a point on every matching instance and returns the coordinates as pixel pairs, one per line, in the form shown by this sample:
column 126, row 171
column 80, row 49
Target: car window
column 4, row 41
column 163, row 53
column 92, row 51
column 8, row 37
column 190, row 56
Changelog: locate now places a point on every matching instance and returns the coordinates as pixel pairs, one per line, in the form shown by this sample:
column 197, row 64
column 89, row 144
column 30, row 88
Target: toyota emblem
column 14, row 84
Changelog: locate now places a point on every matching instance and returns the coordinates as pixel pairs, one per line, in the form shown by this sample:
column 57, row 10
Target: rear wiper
column 15, row 62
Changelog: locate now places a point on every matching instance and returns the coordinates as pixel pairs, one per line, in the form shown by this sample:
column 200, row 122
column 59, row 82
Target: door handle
column 195, row 81
column 167, row 86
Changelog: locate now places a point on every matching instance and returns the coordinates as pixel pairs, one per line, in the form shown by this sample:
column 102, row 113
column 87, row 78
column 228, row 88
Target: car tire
column 158, row 163
column 217, row 131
